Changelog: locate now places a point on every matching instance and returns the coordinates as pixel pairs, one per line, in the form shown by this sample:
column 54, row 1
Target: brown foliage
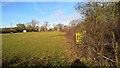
column 102, row 35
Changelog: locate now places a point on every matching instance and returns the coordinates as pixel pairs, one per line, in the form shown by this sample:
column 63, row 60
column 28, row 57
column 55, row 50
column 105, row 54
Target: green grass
column 35, row 44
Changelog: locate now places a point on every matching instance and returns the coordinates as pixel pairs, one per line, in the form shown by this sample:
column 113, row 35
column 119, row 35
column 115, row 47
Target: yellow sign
column 79, row 37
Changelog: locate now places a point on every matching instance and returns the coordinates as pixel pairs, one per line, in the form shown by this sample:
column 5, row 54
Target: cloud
column 67, row 18
column 70, row 17
column 60, row 17
column 58, row 12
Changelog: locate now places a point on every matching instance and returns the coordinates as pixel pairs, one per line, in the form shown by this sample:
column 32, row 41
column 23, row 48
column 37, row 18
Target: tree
column 60, row 26
column 42, row 28
column 20, row 27
column 46, row 26
column 29, row 28
column 33, row 26
column 100, row 21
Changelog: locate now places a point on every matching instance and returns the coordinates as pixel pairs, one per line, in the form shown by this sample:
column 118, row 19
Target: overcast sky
column 24, row 12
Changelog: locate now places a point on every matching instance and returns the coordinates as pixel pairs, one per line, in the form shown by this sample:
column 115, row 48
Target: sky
column 24, row 12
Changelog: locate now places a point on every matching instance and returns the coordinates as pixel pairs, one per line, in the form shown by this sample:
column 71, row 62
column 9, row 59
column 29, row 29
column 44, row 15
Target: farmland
column 36, row 48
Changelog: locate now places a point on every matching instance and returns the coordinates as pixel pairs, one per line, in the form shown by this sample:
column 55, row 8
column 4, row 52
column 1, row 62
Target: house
column 24, row 31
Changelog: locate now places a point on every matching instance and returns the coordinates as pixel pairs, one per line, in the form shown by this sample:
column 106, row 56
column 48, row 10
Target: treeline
column 33, row 26
column 100, row 28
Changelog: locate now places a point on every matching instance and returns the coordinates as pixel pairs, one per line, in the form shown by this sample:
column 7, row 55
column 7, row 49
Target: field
column 35, row 48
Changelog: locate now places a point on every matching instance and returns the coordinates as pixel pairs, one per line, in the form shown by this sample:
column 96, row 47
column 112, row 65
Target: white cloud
column 60, row 17
column 58, row 12
column 70, row 17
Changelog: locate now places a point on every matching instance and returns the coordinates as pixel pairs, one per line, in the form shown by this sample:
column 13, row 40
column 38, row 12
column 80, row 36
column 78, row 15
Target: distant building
column 24, row 31
column 58, row 29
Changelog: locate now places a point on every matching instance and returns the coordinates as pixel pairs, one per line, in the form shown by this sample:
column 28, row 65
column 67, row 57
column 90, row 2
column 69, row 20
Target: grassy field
column 35, row 48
